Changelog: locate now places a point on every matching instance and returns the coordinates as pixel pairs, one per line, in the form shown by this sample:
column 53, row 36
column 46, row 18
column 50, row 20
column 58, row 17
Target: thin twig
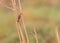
column 36, row 37
column 17, row 24
column 25, row 29
column 57, row 34
column 14, row 6
column 20, row 8
column 20, row 30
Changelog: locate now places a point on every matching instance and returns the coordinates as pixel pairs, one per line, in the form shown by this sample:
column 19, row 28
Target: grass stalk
column 20, row 9
column 36, row 36
column 57, row 34
column 17, row 23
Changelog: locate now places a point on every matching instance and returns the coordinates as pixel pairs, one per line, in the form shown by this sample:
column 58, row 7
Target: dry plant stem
column 36, row 37
column 17, row 24
column 14, row 6
column 57, row 35
column 23, row 40
column 18, row 32
column 20, row 8
column 24, row 29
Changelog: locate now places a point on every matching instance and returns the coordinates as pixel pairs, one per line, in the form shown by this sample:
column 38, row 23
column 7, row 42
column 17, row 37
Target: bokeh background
column 37, row 14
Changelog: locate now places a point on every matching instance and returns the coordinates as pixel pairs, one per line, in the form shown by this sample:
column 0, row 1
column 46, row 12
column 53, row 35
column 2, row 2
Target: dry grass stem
column 20, row 6
column 57, row 34
column 36, row 37
column 20, row 30
column 17, row 24
column 14, row 6
column 25, row 29
column 20, row 9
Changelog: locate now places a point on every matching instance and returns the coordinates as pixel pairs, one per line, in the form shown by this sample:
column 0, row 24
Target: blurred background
column 42, row 15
